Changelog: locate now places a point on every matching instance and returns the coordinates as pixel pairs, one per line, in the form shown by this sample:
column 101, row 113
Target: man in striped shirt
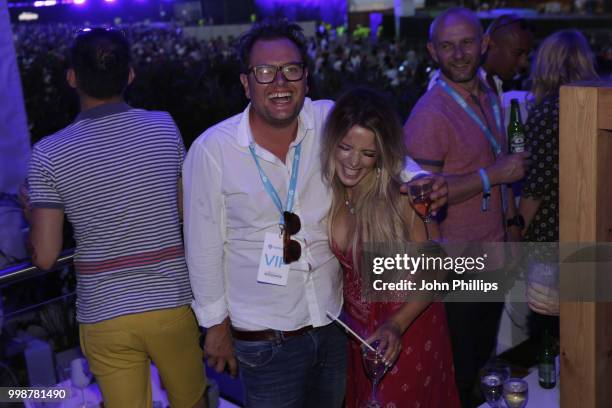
column 115, row 173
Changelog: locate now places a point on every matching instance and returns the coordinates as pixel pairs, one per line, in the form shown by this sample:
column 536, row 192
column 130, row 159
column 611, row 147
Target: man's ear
column 432, row 51
column 306, row 79
column 244, row 80
column 71, row 78
column 131, row 75
column 485, row 43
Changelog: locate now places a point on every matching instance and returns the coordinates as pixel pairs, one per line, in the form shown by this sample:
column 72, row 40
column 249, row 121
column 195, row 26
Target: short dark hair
column 100, row 58
column 270, row 30
column 506, row 20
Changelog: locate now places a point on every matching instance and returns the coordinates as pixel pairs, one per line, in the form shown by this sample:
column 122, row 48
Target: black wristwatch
column 517, row 220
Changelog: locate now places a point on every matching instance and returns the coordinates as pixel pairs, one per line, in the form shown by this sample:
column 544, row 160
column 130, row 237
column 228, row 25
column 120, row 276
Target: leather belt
column 268, row 335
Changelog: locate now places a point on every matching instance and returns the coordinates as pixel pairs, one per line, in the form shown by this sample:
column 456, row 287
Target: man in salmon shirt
column 457, row 129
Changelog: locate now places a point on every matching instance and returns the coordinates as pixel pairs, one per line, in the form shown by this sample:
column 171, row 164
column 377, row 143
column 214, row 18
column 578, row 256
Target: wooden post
column 585, row 210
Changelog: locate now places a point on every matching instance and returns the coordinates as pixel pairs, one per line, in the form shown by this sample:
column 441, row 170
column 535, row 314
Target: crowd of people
column 278, row 200
column 194, row 80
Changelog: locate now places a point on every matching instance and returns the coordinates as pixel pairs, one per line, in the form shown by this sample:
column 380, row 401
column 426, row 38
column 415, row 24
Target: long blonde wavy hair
column 563, row 57
column 380, row 211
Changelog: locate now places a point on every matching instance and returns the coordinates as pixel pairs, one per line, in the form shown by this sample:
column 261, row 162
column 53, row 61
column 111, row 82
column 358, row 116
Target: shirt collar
column 103, row 110
column 305, row 123
column 464, row 93
column 497, row 80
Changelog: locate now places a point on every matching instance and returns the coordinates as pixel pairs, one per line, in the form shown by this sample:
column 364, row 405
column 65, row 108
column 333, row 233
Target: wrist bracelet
column 486, row 189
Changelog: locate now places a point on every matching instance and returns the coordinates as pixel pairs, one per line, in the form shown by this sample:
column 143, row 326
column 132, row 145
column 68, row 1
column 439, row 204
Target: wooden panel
column 604, row 108
column 603, row 344
column 586, row 347
column 577, row 164
column 585, row 202
column 604, row 184
column 603, row 355
column 577, row 355
column 604, row 103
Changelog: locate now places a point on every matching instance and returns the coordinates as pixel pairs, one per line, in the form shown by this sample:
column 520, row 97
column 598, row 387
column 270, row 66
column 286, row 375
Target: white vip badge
column 272, row 268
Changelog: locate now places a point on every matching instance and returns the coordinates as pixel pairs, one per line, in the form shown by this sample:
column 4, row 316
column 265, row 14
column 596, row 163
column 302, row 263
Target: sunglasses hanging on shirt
column 292, row 250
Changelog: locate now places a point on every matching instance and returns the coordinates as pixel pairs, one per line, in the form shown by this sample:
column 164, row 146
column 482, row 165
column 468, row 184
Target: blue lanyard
column 496, row 111
column 292, row 183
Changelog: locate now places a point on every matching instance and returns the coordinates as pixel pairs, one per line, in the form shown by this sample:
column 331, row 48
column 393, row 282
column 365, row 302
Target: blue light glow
column 329, row 11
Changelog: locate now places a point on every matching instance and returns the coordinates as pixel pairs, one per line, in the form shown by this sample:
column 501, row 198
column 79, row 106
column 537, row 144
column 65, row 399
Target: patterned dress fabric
column 542, row 133
column 423, row 375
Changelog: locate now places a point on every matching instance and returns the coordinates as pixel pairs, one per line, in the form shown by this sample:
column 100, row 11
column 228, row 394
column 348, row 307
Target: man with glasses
column 115, row 173
column 255, row 206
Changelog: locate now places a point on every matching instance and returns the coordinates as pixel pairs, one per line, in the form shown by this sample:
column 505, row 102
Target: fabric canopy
column 14, row 135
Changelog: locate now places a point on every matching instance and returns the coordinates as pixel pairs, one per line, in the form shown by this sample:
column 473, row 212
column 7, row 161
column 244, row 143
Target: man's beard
column 459, row 76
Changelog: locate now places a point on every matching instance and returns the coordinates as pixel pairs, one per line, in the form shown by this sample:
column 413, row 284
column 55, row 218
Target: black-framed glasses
column 265, row 74
column 292, row 250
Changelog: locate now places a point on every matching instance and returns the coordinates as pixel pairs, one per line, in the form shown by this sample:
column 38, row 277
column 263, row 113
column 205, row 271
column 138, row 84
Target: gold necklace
column 348, row 204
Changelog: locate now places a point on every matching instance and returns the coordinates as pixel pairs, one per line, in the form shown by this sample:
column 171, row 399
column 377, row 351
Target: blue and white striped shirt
column 115, row 173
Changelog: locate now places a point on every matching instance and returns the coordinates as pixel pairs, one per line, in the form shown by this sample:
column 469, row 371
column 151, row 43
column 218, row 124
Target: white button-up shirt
column 227, row 212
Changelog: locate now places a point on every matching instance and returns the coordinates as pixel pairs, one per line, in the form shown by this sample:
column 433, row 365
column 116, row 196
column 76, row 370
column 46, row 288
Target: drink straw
column 348, row 329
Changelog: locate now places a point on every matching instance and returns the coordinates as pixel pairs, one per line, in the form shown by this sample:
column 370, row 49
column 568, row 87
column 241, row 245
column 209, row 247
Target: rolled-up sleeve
column 411, row 170
column 426, row 138
column 204, row 229
column 180, row 148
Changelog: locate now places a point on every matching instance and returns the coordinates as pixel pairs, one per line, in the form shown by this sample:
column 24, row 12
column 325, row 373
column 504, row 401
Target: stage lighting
column 79, row 2
column 45, row 3
column 27, row 16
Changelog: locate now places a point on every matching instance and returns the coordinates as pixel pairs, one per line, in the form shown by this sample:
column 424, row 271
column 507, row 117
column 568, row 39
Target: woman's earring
column 378, row 172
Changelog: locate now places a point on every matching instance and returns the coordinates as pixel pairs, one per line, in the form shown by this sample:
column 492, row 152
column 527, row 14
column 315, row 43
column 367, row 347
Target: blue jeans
column 299, row 372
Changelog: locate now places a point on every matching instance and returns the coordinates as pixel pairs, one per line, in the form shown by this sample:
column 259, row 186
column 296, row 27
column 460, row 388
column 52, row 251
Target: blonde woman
column 562, row 58
column 362, row 156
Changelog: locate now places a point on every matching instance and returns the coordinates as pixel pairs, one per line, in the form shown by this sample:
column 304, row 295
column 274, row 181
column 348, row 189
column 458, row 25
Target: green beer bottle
column 516, row 133
column 547, row 370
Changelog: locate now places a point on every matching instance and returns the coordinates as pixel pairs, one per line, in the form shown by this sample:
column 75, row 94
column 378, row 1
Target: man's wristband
column 486, row 189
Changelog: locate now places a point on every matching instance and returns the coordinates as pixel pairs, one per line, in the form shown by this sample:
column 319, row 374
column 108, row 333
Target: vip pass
column 272, row 269
column 38, row 394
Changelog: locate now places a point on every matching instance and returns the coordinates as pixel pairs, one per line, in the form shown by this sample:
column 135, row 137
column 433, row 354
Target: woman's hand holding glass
column 439, row 191
column 388, row 336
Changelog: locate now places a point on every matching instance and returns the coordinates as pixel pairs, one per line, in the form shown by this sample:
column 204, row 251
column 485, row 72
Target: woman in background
column 362, row 155
column 562, row 58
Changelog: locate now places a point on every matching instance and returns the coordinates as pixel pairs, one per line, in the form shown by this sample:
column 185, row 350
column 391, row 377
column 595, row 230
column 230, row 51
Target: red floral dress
column 423, row 375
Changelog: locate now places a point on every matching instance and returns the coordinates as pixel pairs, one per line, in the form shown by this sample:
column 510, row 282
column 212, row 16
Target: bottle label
column 546, row 373
column 517, row 143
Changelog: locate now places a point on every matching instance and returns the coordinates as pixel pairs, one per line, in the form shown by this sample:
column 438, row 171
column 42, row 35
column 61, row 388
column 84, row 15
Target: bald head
column 453, row 16
column 509, row 46
column 456, row 43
